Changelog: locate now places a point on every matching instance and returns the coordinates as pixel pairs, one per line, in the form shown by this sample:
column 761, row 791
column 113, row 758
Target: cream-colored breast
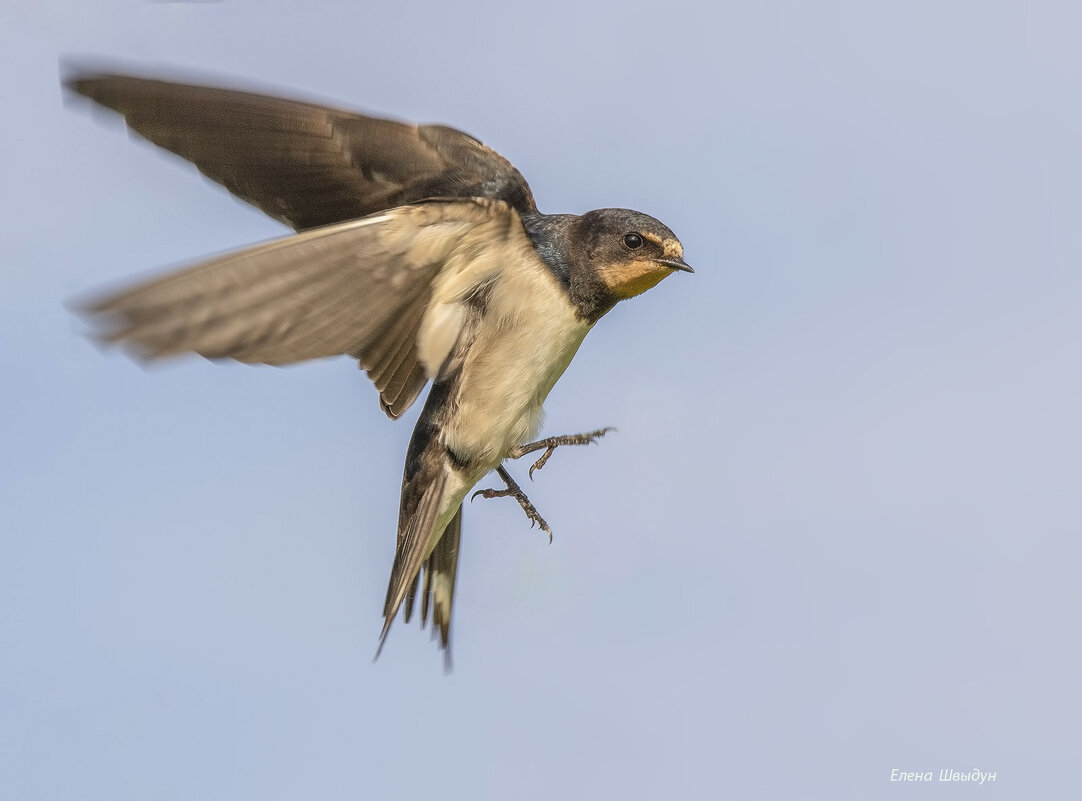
column 529, row 334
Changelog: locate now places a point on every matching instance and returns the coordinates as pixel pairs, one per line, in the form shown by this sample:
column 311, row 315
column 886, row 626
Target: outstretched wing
column 360, row 288
column 303, row 164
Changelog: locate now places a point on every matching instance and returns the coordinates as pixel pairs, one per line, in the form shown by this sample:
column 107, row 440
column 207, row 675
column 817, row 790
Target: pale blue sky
column 837, row 533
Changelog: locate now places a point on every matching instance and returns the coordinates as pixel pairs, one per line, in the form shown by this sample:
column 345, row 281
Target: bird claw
column 550, row 444
column 491, row 493
column 532, row 514
column 514, row 491
column 541, row 462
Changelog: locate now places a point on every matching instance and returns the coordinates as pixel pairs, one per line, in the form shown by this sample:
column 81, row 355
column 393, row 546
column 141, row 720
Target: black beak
column 676, row 264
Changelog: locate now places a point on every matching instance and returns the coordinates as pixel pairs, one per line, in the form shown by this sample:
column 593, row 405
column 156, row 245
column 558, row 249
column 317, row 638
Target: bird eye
column 633, row 241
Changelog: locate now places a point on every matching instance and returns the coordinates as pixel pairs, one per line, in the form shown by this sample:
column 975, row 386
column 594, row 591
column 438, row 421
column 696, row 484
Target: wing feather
column 408, row 371
column 362, row 287
column 251, row 304
column 380, row 347
column 405, row 343
column 305, row 164
column 396, row 399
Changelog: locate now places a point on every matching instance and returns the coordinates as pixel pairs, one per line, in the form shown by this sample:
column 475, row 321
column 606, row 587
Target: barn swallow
column 418, row 251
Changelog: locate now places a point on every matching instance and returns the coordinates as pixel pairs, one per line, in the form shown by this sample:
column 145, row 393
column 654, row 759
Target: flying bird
column 419, row 252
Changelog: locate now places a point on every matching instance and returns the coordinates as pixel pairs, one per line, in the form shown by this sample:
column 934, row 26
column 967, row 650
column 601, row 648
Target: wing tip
column 78, row 72
column 90, row 76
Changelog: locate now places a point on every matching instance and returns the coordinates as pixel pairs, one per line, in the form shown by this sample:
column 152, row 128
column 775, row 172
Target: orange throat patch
column 626, row 280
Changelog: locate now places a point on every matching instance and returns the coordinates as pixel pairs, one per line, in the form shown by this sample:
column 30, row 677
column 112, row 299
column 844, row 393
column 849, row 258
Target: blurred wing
column 303, row 164
column 360, row 288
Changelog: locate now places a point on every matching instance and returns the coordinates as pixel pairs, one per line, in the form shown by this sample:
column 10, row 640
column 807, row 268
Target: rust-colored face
column 640, row 268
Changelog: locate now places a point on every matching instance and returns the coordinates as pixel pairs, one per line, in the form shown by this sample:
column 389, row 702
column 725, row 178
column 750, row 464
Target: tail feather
column 440, row 570
column 412, row 549
column 411, row 596
column 429, row 525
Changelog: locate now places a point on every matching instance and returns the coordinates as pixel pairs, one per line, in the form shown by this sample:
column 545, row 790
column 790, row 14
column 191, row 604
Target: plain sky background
column 837, row 533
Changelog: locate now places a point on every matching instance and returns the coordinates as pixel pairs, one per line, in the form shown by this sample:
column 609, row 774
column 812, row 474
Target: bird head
column 630, row 252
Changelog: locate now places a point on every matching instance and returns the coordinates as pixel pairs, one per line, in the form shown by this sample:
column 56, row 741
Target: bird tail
column 439, row 591
column 429, row 533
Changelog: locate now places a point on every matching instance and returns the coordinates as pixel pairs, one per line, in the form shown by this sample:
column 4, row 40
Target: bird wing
column 360, row 288
column 304, row 164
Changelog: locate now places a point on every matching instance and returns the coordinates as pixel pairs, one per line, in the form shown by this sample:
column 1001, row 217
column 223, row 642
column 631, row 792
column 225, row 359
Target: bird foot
column 550, row 444
column 514, row 491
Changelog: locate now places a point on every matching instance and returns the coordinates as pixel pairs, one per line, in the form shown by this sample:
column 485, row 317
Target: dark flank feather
column 304, row 164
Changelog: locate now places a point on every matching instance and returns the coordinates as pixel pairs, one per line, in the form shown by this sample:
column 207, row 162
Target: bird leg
column 515, row 492
column 551, row 443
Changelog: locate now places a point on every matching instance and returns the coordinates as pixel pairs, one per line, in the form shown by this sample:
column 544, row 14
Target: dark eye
column 633, row 241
